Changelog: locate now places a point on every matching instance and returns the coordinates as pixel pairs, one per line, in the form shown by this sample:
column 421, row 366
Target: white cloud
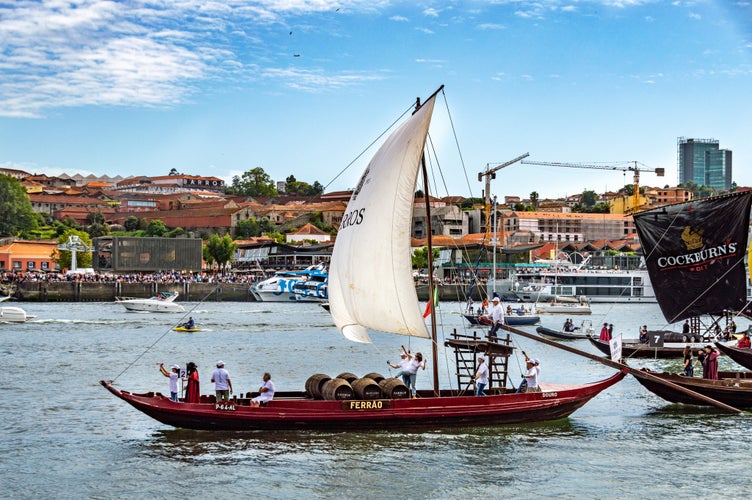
column 401, row 19
column 59, row 53
column 431, row 12
column 491, row 26
column 317, row 80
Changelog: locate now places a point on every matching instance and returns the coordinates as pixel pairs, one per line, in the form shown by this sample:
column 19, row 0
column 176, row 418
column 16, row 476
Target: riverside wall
column 66, row 291
column 106, row 292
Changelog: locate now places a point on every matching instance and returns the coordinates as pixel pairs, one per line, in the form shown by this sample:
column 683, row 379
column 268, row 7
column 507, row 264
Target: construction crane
column 631, row 166
column 490, row 173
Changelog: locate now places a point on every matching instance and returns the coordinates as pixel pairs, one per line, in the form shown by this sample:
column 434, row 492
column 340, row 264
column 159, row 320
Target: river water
column 65, row 436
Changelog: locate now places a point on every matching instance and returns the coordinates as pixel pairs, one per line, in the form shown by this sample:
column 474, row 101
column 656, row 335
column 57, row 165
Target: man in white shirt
column 497, row 315
column 222, row 382
column 266, row 391
column 530, row 381
column 481, row 376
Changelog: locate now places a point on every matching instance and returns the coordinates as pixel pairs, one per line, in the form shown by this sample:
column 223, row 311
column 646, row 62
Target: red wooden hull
column 555, row 402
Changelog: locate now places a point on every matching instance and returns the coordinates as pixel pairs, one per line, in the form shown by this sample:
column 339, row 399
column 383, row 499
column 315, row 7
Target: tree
column 63, row 257
column 469, row 203
column 16, row 214
column 174, row 171
column 420, row 257
column 96, row 230
column 534, row 200
column 293, row 186
column 589, row 198
column 247, row 228
column 219, row 250
column 131, row 223
column 156, row 228
column 265, row 225
column 519, row 207
column 254, row 182
column 95, row 218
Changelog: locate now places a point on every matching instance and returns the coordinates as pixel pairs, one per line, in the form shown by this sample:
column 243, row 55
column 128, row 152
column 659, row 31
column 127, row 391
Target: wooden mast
column 431, row 284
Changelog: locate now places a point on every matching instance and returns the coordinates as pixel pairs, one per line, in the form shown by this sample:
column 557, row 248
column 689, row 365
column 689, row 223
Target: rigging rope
column 159, row 339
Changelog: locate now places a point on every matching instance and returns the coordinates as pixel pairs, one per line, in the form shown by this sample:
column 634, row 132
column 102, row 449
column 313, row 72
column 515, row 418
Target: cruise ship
column 598, row 285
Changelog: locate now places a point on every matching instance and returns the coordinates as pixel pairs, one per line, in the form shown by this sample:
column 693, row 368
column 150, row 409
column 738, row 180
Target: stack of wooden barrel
column 348, row 386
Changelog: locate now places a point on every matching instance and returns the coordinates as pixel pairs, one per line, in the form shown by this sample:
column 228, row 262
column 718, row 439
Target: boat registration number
column 224, row 406
column 365, row 405
column 549, row 394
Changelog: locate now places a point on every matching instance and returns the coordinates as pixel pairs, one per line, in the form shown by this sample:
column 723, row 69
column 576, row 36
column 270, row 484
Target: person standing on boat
column 710, row 363
column 192, row 391
column 481, row 376
column 266, row 391
column 610, row 331
column 497, row 316
column 644, row 334
column 685, row 327
column 605, row 337
column 173, row 375
column 222, row 383
column 416, row 362
column 403, row 364
column 689, row 370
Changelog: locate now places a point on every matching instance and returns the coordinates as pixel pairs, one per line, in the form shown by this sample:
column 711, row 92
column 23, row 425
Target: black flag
column 695, row 254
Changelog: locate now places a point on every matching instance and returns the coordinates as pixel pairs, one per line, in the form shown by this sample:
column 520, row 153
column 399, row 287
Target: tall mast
column 431, row 284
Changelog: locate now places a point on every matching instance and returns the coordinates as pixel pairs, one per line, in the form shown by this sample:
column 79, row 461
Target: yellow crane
column 490, row 173
column 630, row 166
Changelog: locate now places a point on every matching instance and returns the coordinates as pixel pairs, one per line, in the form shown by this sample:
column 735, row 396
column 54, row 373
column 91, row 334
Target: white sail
column 370, row 277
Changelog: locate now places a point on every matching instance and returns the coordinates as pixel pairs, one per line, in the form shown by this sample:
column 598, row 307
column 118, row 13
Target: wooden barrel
column 393, row 388
column 314, row 384
column 337, row 389
column 347, row 376
column 366, row 388
column 376, row 377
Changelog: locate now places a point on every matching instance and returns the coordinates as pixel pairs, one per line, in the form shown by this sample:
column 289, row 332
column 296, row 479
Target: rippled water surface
column 66, row 437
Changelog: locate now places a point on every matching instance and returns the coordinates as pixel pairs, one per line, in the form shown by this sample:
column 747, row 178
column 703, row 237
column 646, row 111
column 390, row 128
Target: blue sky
column 137, row 87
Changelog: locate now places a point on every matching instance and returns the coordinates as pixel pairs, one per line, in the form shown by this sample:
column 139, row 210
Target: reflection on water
column 67, row 437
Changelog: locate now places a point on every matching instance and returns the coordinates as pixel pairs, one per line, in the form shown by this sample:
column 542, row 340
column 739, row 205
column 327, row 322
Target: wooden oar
column 620, row 366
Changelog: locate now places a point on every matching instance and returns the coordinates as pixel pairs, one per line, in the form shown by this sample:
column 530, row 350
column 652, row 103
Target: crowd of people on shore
column 163, row 277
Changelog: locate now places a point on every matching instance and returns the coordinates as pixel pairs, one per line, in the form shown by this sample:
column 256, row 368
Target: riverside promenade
column 83, row 291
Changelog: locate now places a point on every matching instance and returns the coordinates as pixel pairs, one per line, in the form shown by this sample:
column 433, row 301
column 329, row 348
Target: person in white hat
column 173, row 375
column 222, row 382
column 403, row 366
column 497, row 315
column 481, row 376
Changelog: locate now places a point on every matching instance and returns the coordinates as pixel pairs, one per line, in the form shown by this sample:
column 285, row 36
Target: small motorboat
column 12, row 314
column 511, row 320
column 183, row 328
column 558, row 307
column 577, row 334
column 163, row 302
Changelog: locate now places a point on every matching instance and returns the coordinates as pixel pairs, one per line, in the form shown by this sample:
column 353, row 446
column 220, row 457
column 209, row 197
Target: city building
column 24, row 255
column 703, row 162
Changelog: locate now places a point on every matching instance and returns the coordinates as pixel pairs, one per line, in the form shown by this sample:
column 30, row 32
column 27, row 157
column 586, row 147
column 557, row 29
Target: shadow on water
column 188, row 445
